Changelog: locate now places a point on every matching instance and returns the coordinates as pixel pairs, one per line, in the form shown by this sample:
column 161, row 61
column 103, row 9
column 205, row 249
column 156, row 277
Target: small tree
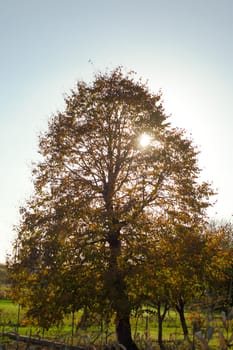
column 219, row 265
column 98, row 192
column 179, row 258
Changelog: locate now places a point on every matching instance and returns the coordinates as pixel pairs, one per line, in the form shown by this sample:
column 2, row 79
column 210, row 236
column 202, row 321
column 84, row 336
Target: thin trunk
column 72, row 330
column 180, row 310
column 230, row 292
column 160, row 333
column 161, row 316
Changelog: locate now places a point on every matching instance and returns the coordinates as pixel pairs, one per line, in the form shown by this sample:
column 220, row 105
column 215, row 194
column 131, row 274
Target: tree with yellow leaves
column 99, row 188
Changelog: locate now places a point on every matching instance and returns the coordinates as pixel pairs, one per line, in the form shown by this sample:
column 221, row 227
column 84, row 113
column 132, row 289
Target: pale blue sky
column 184, row 47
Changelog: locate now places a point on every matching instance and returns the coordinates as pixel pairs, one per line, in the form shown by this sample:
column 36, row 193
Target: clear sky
column 184, row 47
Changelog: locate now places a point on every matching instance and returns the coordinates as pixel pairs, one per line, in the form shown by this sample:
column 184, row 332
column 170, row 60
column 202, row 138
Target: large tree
column 99, row 190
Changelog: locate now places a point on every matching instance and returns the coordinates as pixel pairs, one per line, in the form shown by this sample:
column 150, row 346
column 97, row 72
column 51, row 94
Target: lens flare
column 144, row 140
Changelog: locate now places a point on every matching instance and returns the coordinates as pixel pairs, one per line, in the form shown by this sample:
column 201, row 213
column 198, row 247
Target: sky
column 183, row 47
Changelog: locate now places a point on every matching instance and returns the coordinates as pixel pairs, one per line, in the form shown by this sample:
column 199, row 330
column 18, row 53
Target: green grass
column 9, row 319
column 12, row 320
column 8, row 313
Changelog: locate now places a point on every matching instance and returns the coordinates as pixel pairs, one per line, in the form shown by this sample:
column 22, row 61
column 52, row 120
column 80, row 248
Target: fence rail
column 41, row 342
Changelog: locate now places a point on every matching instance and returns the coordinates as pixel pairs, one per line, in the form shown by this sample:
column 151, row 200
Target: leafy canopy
column 100, row 196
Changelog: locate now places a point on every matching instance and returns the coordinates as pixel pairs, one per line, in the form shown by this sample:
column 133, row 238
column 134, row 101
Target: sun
column 144, row 140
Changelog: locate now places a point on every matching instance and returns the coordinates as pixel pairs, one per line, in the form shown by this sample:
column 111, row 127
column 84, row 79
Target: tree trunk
column 124, row 335
column 115, row 285
column 180, row 310
column 161, row 316
column 160, row 333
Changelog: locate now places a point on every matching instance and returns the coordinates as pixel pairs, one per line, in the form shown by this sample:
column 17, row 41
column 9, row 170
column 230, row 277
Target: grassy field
column 11, row 317
column 144, row 329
